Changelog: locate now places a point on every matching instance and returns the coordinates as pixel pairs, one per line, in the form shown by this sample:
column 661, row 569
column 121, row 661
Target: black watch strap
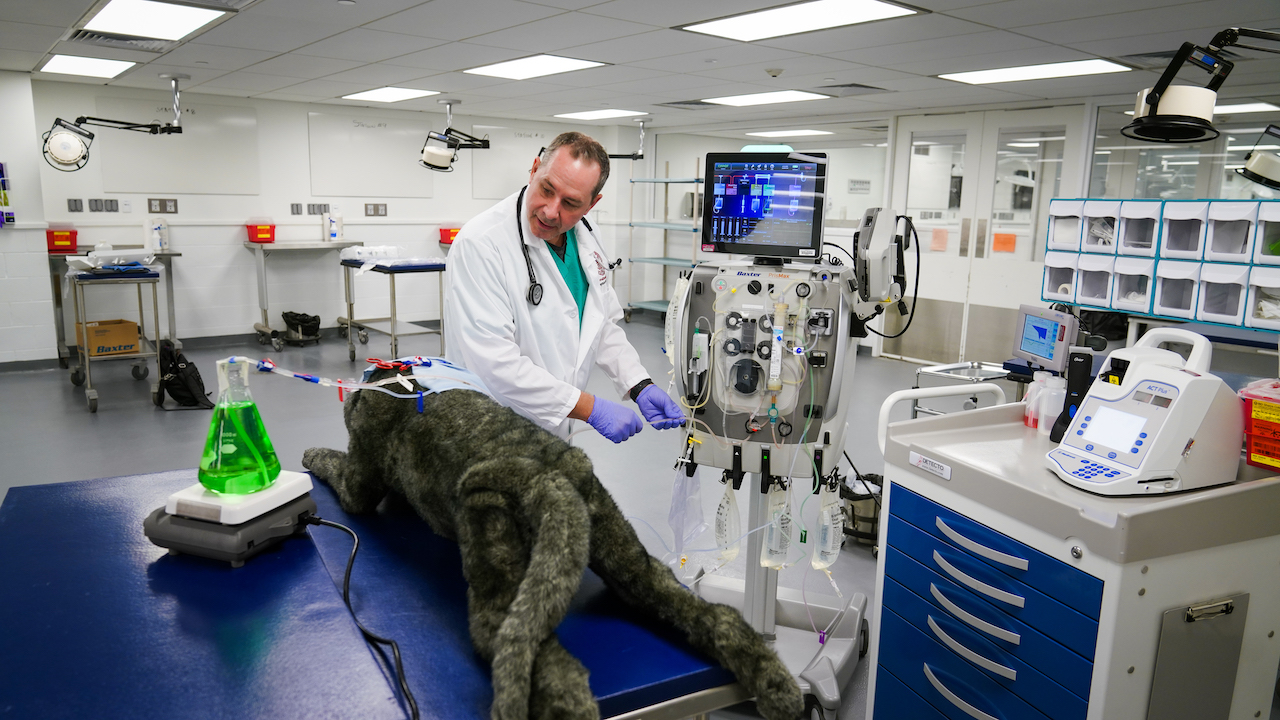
column 635, row 391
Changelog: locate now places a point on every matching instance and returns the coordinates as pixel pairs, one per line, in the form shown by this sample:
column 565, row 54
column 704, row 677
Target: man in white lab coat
column 529, row 306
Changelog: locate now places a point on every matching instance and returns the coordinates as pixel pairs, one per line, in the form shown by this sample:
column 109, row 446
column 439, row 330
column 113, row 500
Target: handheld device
column 767, row 205
column 1045, row 337
column 1152, row 423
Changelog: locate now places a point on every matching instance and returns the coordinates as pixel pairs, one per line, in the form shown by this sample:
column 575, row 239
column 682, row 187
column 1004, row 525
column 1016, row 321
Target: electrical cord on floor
column 371, row 637
column 863, row 479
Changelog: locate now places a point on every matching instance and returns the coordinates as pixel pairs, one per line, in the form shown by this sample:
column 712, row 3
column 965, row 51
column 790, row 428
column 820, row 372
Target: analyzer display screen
column 1040, row 336
column 1114, row 428
column 764, row 203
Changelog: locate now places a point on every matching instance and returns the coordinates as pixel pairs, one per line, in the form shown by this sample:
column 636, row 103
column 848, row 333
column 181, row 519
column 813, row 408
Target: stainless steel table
column 58, row 268
column 146, row 349
column 261, row 251
column 387, row 325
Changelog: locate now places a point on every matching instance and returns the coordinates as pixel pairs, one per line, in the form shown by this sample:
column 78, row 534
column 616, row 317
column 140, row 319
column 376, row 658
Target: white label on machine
column 930, row 465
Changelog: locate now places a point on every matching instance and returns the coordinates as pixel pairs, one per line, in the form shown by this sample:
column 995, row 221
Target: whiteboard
column 504, row 167
column 216, row 153
column 368, row 154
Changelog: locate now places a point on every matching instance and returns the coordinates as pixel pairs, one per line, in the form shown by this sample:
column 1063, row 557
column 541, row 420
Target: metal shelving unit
column 667, row 227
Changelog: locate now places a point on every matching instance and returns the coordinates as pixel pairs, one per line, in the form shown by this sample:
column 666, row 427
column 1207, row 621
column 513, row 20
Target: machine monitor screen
column 764, row 204
column 1114, row 428
column 1044, row 337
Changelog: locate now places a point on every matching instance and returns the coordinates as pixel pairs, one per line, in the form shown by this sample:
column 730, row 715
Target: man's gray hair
column 581, row 147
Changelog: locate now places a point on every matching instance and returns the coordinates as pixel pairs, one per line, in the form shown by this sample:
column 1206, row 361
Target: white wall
column 26, row 300
column 215, row 283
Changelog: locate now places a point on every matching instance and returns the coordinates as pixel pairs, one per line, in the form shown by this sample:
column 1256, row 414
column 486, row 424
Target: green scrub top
column 571, row 271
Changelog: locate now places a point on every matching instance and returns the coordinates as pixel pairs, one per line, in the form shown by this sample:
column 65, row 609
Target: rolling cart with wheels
column 83, row 373
column 267, row 334
column 387, row 325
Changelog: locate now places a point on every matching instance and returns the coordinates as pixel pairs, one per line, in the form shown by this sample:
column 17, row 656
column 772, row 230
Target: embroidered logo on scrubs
column 604, row 276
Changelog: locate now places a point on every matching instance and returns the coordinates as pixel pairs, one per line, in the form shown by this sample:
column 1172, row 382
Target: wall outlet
column 162, row 205
column 111, row 205
column 317, row 208
column 95, row 205
column 295, row 208
column 375, row 209
column 75, row 205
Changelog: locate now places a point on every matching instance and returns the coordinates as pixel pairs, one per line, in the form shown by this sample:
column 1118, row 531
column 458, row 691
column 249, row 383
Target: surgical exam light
column 66, row 145
column 1263, row 167
column 440, row 159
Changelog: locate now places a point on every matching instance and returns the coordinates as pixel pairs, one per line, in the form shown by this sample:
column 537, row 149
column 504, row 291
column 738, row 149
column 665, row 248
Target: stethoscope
column 534, row 296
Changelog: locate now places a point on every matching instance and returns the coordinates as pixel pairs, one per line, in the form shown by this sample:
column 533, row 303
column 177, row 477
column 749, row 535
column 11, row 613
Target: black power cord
column 914, row 293
column 371, row 637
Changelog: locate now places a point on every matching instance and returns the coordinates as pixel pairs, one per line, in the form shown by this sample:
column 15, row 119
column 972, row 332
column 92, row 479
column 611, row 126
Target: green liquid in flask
column 238, row 456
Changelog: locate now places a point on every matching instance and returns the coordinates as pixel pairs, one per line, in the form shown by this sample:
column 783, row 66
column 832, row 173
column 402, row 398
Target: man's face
column 560, row 193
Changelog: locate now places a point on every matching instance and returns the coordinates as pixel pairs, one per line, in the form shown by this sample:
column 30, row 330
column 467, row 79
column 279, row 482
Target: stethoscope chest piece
column 535, row 293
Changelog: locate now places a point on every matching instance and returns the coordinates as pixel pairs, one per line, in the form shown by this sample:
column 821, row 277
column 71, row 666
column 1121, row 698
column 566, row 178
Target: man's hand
column 613, row 420
column 658, row 409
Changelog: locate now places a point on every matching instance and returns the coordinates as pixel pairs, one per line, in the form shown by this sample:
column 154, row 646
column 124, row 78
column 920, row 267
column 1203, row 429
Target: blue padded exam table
column 95, row 621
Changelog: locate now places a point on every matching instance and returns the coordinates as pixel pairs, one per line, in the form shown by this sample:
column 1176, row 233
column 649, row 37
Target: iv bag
column 728, row 525
column 830, row 528
column 777, row 536
column 685, row 517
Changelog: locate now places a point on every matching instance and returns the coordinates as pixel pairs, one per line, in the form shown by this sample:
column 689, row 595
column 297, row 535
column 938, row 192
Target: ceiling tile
column 19, row 61
column 454, row 82
column 1019, row 13
column 224, row 92
column 455, row 56
column 668, row 85
column 670, row 13
column 301, row 66
column 875, row 34
column 521, row 88
column 378, row 75
column 953, row 47
column 567, row 4
column 759, row 71
column 288, row 96
column 148, row 76
column 1218, row 13
column 328, row 88
column 58, row 13
column 331, row 13
column 266, row 32
column 28, row 38
column 1011, row 58
column 462, row 19
column 249, row 82
column 368, row 45
column 601, row 77
column 555, row 33
column 214, row 56
column 717, row 57
column 654, row 44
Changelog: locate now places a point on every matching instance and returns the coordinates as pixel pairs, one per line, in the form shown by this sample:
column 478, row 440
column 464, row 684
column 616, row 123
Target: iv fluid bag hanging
column 830, row 528
column 685, row 516
column 238, row 456
column 728, row 525
column 777, row 536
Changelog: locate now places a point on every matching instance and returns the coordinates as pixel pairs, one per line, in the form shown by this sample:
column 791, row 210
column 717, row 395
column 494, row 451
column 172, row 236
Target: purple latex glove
column 658, row 409
column 613, row 420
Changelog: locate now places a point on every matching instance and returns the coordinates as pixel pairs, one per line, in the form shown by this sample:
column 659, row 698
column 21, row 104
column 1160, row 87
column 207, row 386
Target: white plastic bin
column 1093, row 280
column 1177, row 289
column 1182, row 225
column 1101, row 217
column 1139, row 230
column 1059, row 277
column 1224, row 290
column 1263, row 307
column 1132, row 281
column 1064, row 224
column 1266, row 237
column 1229, row 236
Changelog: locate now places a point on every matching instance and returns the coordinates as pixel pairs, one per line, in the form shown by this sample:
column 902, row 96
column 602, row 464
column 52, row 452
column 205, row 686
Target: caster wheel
column 77, row 377
column 93, row 405
column 277, row 344
column 62, row 363
column 342, row 330
column 364, row 337
column 865, row 629
column 262, row 339
column 157, row 399
column 626, row 315
column 140, row 372
column 352, row 354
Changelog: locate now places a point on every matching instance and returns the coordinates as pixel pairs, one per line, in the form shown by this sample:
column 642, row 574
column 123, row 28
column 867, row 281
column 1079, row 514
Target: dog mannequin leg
column 357, row 485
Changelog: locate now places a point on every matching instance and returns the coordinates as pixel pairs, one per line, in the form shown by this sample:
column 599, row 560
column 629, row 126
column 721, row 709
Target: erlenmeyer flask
column 238, row 456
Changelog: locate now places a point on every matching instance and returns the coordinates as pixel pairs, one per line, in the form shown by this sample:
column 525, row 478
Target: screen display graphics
column 1040, row 336
column 1114, row 428
column 764, row 204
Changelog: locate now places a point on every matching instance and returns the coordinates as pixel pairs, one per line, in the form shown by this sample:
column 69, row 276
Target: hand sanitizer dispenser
column 1152, row 423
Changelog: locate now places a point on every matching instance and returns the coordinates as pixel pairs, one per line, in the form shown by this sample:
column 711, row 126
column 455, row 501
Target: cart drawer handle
column 978, row 585
column 955, row 699
column 993, row 555
column 971, row 656
column 974, row 620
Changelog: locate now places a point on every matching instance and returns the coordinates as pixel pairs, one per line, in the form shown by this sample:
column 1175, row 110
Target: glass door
column 983, row 256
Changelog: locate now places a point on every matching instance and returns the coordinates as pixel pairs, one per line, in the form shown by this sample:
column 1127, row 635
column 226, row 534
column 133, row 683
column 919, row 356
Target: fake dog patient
column 529, row 516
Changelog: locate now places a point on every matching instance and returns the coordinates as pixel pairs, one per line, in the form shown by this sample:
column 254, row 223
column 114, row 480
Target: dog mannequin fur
column 529, row 516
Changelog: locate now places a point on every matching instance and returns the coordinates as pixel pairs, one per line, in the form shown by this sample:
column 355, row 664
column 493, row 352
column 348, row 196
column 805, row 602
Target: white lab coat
column 533, row 358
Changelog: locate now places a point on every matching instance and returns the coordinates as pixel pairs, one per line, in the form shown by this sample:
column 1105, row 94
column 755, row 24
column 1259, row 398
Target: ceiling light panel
column 144, row 18
column 389, row 94
column 531, row 67
column 788, row 133
column 601, row 114
column 1243, row 108
column 1036, row 72
column 89, row 67
column 804, row 17
column 767, row 98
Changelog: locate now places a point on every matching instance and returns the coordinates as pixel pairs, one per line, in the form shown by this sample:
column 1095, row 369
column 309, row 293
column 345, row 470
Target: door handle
column 993, row 555
column 978, row 585
column 974, row 620
column 971, row 656
column 980, row 242
column 964, row 237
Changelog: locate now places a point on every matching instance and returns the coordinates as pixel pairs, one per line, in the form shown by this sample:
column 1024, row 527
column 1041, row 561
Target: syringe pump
column 1152, row 423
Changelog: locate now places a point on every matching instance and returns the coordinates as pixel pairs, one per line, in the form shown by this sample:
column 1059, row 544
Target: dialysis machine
column 763, row 348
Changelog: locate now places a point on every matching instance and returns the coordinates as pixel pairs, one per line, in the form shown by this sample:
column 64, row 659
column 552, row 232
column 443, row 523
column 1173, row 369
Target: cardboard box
column 108, row 337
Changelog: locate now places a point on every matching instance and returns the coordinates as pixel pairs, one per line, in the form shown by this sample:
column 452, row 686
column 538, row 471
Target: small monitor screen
column 764, row 204
column 1114, row 428
column 1040, row 336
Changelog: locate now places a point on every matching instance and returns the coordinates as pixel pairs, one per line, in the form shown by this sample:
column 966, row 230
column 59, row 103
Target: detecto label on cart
column 930, row 465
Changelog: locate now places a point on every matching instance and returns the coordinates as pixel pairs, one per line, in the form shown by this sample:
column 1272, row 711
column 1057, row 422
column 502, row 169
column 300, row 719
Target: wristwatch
column 635, row 391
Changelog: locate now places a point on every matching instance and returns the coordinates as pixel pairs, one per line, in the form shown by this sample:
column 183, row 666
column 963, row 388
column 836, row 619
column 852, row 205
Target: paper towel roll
column 1180, row 100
